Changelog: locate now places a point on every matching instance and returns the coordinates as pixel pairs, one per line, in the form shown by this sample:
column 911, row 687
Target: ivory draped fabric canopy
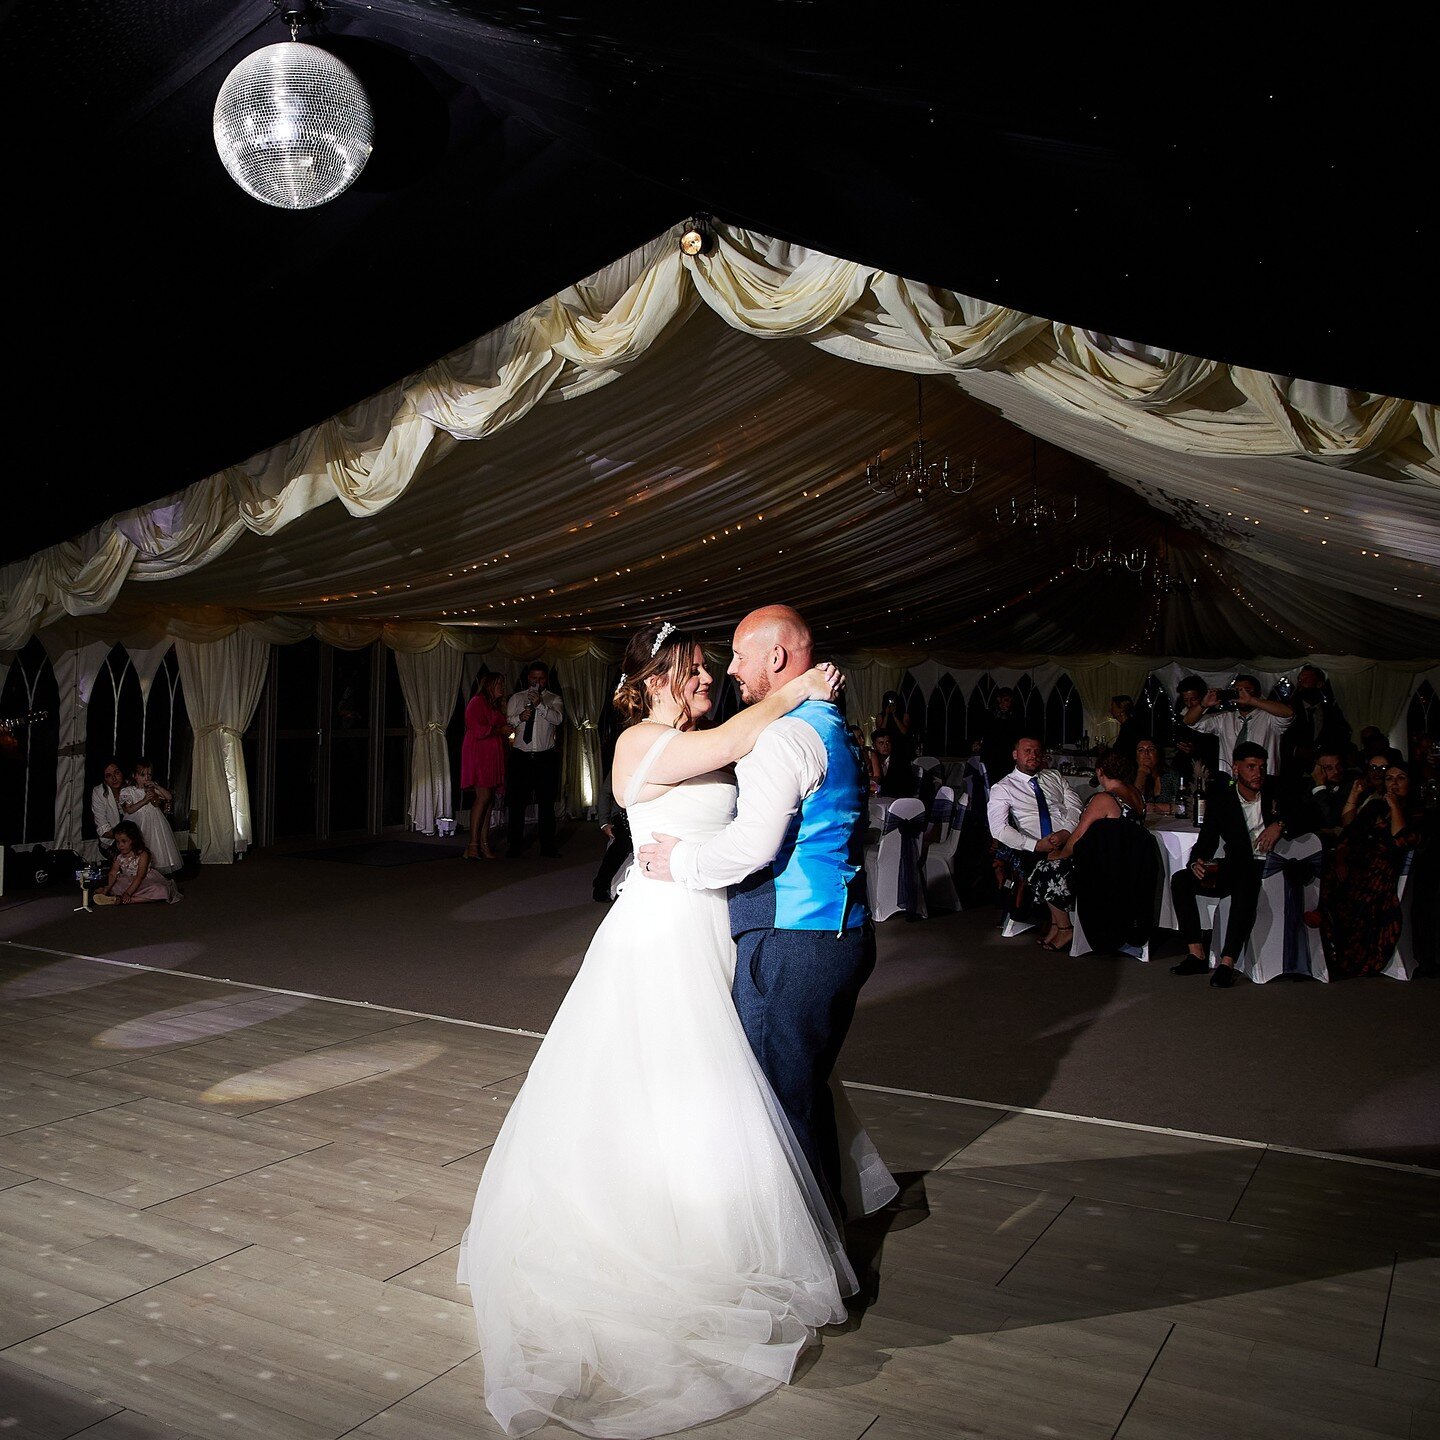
column 657, row 439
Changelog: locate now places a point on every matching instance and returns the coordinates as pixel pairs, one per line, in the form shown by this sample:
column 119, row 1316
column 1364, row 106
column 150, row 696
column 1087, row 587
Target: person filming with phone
column 1249, row 817
column 1239, row 715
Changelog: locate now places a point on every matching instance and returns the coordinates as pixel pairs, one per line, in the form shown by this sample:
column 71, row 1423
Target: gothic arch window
column 945, row 718
column 1064, row 714
column 166, row 739
column 1030, row 707
column 977, row 709
column 29, row 744
column 115, row 724
column 912, row 701
column 1423, row 717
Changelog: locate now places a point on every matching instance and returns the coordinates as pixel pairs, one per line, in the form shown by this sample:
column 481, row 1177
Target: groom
column 793, row 857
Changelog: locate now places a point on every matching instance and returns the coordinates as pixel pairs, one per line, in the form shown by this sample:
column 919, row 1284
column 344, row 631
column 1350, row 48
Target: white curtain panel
column 587, row 692
column 222, row 682
column 866, row 681
column 428, row 680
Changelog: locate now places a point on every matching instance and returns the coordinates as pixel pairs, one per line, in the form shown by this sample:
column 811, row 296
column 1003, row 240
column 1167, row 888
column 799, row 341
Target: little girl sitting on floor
column 131, row 880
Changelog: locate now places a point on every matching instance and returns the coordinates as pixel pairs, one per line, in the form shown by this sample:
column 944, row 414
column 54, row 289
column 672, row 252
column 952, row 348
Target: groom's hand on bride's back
column 654, row 858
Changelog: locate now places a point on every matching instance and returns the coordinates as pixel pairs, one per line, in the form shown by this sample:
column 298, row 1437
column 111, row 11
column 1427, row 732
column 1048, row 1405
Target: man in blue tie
column 1031, row 810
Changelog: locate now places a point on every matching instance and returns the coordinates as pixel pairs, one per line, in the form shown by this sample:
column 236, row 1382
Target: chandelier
column 915, row 475
column 1035, row 510
column 1111, row 559
column 292, row 123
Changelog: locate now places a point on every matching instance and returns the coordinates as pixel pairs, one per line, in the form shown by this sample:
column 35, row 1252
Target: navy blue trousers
column 795, row 992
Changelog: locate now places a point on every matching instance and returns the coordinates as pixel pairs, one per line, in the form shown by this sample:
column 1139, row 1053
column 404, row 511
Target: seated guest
column 1254, row 720
column 132, row 880
column 1031, row 811
column 1249, row 817
column 889, row 775
column 1155, row 781
column 105, row 806
column 1052, row 879
column 1370, row 784
column 1359, row 906
column 1321, row 794
column 1318, row 723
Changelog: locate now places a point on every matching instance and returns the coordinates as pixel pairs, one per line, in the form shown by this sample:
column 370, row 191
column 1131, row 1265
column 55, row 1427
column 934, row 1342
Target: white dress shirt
column 549, row 716
column 787, row 765
column 1260, row 727
column 106, row 810
column 1014, row 813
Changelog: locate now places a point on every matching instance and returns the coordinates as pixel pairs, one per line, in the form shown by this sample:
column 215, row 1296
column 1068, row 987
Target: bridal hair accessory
column 666, row 629
column 620, row 683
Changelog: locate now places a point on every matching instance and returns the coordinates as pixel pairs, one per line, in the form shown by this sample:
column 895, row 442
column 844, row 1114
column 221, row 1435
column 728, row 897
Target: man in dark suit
column 1249, row 816
column 1320, row 795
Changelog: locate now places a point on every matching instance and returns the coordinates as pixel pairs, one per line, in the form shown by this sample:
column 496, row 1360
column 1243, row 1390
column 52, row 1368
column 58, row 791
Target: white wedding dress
column 648, row 1249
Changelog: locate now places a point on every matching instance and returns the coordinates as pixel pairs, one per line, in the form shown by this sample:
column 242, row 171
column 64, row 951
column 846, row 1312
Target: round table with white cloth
column 1176, row 838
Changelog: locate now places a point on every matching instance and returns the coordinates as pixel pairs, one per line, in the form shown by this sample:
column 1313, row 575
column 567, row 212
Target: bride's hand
column 823, row 682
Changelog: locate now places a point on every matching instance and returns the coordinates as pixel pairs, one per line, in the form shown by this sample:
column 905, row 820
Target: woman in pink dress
column 132, row 880
column 482, row 757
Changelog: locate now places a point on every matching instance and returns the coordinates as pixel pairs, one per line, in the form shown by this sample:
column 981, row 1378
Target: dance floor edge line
column 850, row 1084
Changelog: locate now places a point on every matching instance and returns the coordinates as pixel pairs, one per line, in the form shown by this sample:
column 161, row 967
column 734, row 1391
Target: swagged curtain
column 1094, row 394
column 222, row 681
column 428, row 680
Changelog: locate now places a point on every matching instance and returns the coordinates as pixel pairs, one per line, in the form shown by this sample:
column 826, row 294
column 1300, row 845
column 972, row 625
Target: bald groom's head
column 772, row 645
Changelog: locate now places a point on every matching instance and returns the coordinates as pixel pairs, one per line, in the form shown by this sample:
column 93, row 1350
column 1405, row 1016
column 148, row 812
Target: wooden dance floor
column 233, row 1212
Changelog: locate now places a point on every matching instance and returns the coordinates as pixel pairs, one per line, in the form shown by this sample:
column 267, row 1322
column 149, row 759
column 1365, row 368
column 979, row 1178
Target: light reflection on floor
column 307, row 1074
column 61, row 977
column 199, row 1021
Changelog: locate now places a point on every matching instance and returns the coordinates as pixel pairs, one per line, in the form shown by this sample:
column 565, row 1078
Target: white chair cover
column 1280, row 942
column 893, row 868
column 926, row 765
column 941, row 892
column 1402, row 962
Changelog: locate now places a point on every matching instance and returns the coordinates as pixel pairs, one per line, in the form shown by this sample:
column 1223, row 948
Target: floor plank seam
column 469, row 1155
column 1385, row 1313
column 1155, row 1360
column 1245, row 1188
column 1034, row 1242
column 400, row 1400
column 120, row 1410
column 238, row 1175
column 62, row 1119
column 9, row 1350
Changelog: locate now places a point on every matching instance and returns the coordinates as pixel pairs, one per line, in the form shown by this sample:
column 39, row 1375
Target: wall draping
column 1180, row 430
column 428, row 679
column 222, row 681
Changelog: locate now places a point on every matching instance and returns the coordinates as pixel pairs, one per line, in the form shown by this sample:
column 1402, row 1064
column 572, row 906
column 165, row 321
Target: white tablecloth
column 1176, row 838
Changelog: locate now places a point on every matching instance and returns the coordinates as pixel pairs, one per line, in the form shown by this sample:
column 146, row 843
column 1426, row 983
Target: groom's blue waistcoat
column 817, row 880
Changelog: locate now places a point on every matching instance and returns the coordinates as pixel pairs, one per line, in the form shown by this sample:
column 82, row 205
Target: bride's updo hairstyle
column 654, row 650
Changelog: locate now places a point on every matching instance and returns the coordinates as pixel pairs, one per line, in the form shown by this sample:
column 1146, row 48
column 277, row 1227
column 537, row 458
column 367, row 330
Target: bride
column 648, row 1249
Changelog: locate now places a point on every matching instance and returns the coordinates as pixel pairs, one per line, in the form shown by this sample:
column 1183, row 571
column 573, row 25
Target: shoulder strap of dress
column 642, row 770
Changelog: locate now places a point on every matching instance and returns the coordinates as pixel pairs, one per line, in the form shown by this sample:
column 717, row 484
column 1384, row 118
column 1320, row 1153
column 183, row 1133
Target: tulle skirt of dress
column 647, row 1250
